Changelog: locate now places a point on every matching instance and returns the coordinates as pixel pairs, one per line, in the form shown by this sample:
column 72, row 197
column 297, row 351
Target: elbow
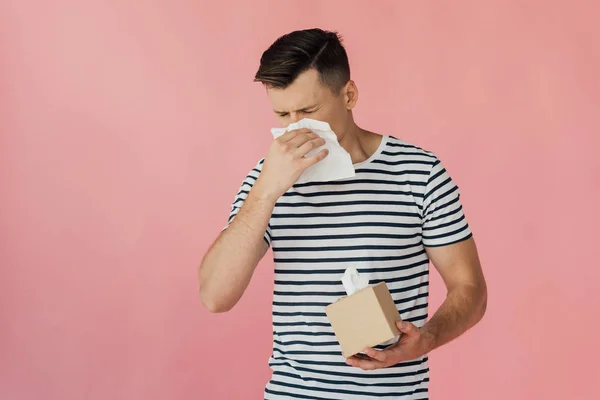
column 482, row 305
column 215, row 307
column 212, row 303
column 212, row 296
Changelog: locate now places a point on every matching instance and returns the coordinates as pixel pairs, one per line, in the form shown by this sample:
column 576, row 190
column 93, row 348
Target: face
column 306, row 97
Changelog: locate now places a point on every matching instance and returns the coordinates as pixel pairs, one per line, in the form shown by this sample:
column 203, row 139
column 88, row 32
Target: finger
column 361, row 356
column 407, row 328
column 379, row 355
column 312, row 160
column 289, row 135
column 364, row 364
column 300, row 139
column 309, row 146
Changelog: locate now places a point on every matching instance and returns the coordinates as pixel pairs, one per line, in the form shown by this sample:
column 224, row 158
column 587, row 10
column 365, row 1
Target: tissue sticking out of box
column 353, row 281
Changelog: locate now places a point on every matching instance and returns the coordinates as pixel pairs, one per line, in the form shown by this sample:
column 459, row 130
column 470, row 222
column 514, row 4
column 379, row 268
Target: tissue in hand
column 366, row 317
column 337, row 164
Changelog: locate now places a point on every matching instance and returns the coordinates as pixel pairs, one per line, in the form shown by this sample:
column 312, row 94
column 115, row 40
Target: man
column 399, row 212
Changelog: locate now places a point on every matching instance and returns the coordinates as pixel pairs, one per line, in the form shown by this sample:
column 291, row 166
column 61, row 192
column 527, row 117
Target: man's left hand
column 412, row 344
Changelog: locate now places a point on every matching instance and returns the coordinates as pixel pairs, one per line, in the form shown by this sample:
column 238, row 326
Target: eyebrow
column 300, row 109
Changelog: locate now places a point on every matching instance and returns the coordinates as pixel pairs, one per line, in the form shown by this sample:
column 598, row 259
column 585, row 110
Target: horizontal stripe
column 414, row 308
column 394, row 173
column 343, row 293
column 346, row 214
column 322, row 314
column 438, row 187
column 347, row 248
column 400, row 278
column 374, row 281
column 419, row 151
column 344, row 391
column 301, row 342
column 245, row 192
column 444, row 235
column 443, row 206
column 395, row 153
column 354, row 383
column 404, row 364
column 302, row 333
column 447, row 243
column 446, row 224
column 299, row 314
column 360, row 270
column 436, row 174
column 418, row 318
column 439, row 198
column 324, row 304
column 250, row 179
column 347, row 203
column 301, row 323
column 374, row 375
column 339, row 193
column 405, row 162
column 395, row 142
column 352, row 236
column 327, row 324
column 287, row 395
column 360, row 181
column 347, row 225
column 316, row 354
column 348, row 259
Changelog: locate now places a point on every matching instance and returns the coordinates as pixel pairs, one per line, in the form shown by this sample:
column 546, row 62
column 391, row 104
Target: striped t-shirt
column 401, row 201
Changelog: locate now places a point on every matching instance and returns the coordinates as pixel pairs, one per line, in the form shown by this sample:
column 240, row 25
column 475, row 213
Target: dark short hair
column 299, row 51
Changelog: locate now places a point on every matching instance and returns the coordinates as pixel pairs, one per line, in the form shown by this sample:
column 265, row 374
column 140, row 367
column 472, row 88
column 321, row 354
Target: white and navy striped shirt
column 401, row 201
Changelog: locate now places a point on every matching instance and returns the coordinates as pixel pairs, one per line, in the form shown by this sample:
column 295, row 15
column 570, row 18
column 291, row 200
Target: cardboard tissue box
column 366, row 317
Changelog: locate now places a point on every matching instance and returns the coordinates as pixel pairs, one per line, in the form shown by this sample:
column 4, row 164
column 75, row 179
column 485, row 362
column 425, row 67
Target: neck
column 359, row 143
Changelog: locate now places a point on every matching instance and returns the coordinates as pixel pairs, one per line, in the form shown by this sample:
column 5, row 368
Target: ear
column 350, row 92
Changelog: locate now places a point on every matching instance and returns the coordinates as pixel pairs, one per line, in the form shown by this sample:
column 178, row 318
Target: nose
column 294, row 117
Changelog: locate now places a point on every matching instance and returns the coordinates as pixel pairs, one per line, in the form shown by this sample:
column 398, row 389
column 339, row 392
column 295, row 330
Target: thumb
column 406, row 327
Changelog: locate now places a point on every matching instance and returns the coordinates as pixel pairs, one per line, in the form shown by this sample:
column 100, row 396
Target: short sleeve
column 444, row 221
column 241, row 196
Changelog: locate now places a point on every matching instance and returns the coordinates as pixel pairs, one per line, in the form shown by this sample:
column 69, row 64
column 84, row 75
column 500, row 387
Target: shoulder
column 400, row 148
column 405, row 158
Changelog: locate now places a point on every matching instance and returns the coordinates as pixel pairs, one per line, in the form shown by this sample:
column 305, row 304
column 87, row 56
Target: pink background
column 126, row 128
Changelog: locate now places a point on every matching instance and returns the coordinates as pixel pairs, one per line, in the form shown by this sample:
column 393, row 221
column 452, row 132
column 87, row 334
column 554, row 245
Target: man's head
column 307, row 75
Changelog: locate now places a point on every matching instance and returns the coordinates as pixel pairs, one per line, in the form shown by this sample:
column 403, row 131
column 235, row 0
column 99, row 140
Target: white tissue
column 353, row 281
column 337, row 164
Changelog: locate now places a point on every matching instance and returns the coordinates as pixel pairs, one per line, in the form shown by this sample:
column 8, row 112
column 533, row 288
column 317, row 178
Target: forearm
column 227, row 267
column 463, row 308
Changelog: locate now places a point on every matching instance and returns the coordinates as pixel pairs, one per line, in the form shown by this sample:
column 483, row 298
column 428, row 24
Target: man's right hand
column 227, row 267
column 286, row 161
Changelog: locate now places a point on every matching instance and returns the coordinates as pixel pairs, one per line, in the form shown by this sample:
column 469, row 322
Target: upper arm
column 458, row 264
column 239, row 200
column 447, row 236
